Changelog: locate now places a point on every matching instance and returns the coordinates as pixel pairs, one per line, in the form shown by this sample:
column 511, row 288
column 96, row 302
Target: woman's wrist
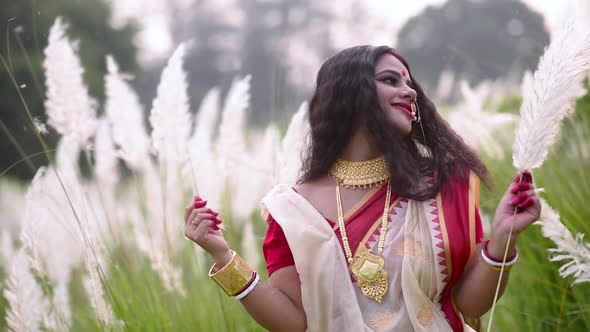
column 496, row 246
column 221, row 259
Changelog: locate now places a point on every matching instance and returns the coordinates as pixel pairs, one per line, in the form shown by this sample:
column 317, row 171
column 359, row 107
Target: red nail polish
column 198, row 198
column 215, row 227
column 199, row 204
column 527, row 202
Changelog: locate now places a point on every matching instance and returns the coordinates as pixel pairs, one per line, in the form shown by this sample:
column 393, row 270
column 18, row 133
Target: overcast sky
column 155, row 42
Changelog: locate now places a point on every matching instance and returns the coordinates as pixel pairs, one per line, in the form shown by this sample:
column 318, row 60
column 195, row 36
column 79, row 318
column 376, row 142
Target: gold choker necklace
column 360, row 174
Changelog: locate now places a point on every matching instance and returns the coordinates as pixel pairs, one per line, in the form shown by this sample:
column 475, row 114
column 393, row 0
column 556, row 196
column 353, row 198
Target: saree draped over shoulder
column 427, row 246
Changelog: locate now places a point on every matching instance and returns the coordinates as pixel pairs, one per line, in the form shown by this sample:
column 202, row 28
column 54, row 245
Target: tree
column 22, row 41
column 477, row 40
column 249, row 38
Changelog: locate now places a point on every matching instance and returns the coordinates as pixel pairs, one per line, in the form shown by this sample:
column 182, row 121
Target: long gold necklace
column 367, row 268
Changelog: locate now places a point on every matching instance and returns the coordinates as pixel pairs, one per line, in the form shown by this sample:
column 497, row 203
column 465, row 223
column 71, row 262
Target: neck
column 361, row 147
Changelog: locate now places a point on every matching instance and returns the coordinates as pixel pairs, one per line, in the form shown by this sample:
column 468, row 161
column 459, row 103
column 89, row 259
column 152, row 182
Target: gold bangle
column 507, row 268
column 234, row 276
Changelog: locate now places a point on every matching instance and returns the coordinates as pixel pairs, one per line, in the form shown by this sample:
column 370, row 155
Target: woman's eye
column 390, row 81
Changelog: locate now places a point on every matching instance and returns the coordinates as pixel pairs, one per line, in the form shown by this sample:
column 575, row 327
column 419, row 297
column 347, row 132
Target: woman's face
column 395, row 93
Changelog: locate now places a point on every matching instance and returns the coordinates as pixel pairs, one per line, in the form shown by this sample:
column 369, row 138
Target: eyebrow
column 394, row 73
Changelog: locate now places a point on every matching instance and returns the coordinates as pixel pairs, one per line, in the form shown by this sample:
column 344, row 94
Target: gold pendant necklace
column 367, row 268
column 360, row 174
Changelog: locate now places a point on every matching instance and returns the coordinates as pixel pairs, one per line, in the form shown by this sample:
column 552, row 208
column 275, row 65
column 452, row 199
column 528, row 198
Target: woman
column 382, row 231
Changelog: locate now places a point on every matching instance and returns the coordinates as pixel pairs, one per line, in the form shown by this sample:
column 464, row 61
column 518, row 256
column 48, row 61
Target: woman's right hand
column 201, row 225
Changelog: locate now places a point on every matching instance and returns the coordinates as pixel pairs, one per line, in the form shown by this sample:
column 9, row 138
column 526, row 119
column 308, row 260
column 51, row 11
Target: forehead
column 388, row 61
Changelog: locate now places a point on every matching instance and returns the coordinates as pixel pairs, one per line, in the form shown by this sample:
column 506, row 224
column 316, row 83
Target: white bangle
column 492, row 262
column 249, row 289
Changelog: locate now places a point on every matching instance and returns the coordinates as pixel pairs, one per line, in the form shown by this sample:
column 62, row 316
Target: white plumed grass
column 251, row 246
column 27, row 304
column 206, row 119
column 94, row 288
column 127, row 118
column 69, row 107
column 571, row 250
column 293, row 145
column 230, row 143
column 549, row 97
column 206, row 179
column 170, row 117
column 106, row 162
column 477, row 127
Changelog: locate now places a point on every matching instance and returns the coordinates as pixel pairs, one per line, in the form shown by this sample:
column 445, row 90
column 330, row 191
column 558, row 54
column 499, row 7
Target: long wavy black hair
column 345, row 98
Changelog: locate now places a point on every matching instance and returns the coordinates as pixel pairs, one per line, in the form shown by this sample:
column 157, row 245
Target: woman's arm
column 474, row 294
column 276, row 306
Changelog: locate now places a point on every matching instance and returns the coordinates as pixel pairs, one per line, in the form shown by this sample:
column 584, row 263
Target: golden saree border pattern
column 473, row 199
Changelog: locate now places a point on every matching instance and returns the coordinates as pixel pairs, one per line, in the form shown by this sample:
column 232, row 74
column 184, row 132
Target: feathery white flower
column 26, row 301
column 446, row 83
column 202, row 168
column 477, row 127
column 571, row 249
column 66, row 156
column 95, row 291
column 12, row 201
column 551, row 95
column 160, row 262
column 170, row 117
column 292, row 146
column 254, row 176
column 7, row 250
column 126, row 116
column 207, row 117
column 231, row 140
column 105, row 167
column 47, row 211
column 69, row 107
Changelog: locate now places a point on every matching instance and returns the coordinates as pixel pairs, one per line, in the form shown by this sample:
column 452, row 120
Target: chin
column 402, row 129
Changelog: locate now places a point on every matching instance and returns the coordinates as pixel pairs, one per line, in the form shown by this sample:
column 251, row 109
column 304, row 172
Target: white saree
column 332, row 302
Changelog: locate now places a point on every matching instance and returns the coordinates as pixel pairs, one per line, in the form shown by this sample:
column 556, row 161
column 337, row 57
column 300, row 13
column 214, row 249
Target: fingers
column 524, row 177
column 515, row 188
column 198, row 215
column 197, row 203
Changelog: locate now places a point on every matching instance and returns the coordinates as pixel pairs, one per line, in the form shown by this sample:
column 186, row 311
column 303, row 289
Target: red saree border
column 375, row 225
column 445, row 237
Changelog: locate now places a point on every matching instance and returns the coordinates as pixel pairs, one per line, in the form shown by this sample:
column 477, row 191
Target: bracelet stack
column 496, row 264
column 236, row 278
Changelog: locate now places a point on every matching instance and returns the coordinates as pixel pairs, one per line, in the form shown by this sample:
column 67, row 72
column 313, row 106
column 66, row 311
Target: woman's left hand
column 521, row 196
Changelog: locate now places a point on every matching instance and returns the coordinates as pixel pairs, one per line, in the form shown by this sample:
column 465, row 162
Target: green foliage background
column 23, row 38
column 537, row 298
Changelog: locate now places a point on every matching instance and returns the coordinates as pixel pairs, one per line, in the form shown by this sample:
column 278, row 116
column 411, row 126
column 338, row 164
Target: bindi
column 404, row 74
